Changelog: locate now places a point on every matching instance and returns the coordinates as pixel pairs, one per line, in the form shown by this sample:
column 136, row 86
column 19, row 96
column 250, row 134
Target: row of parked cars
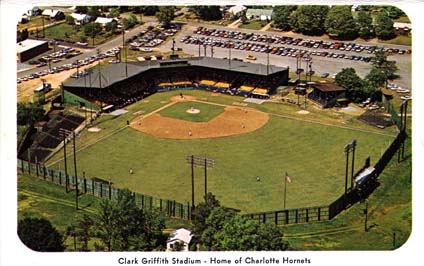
column 308, row 43
column 55, row 57
column 266, row 48
column 151, row 37
column 78, row 63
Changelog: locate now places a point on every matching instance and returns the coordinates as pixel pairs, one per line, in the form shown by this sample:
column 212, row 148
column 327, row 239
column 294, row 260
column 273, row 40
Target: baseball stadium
column 144, row 121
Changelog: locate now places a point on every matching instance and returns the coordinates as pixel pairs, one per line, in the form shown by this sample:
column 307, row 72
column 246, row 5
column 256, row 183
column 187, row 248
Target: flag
column 288, row 178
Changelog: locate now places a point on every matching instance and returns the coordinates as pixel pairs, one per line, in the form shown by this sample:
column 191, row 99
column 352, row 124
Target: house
column 236, row 10
column 181, row 235
column 402, row 28
column 53, row 14
column 80, row 19
column 104, row 21
column 260, row 14
column 35, row 11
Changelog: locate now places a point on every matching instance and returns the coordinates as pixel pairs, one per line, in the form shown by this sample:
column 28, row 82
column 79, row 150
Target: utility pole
column 64, row 159
column 192, row 181
column 366, row 217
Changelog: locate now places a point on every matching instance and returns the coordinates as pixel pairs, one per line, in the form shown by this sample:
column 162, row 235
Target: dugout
column 125, row 83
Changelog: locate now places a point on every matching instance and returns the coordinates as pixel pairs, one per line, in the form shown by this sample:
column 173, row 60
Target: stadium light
column 66, row 134
column 200, row 162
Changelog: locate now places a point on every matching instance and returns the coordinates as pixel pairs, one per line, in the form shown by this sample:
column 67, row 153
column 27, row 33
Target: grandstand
column 119, row 85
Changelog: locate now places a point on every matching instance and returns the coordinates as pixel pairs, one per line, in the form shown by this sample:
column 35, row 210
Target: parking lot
column 327, row 56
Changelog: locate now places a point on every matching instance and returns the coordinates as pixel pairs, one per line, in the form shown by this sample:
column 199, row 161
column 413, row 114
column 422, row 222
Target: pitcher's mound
column 193, row 111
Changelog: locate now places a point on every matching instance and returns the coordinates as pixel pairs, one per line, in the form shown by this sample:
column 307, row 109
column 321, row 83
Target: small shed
column 326, row 94
column 181, row 235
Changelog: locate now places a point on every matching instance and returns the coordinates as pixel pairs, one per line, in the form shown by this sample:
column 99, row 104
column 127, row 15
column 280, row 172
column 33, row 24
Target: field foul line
column 91, row 144
column 330, row 125
column 306, row 120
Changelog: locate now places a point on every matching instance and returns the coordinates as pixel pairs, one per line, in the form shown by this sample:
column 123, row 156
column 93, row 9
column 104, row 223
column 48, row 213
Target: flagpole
column 285, row 190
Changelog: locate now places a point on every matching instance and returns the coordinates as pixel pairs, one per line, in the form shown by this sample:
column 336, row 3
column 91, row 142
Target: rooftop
column 181, row 234
column 27, row 45
column 327, row 87
column 117, row 72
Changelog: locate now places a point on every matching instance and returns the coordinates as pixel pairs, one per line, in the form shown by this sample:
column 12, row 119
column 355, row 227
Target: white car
column 146, row 49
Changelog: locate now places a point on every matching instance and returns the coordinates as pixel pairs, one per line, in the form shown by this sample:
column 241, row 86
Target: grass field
column 41, row 199
column 178, row 111
column 309, row 148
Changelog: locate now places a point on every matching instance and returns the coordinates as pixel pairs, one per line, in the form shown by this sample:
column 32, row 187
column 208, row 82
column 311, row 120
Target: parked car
column 325, row 74
column 250, row 57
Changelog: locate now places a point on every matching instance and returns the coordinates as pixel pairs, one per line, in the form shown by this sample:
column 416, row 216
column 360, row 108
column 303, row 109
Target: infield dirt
column 233, row 121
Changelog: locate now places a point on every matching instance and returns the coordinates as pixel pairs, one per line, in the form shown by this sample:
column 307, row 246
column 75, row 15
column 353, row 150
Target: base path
column 233, row 121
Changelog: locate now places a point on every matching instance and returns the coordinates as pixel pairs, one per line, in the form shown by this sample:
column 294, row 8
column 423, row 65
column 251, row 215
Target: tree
column 208, row 12
column 122, row 226
column 381, row 63
column 93, row 12
column 165, row 15
column 365, row 27
column 28, row 113
column 340, row 24
column 38, row 234
column 111, row 26
column 309, row 20
column 92, row 30
column 214, row 224
column 202, row 212
column 282, row 17
column 357, row 90
column 70, row 20
column 130, row 22
column 394, row 12
column 114, row 13
column 384, row 26
column 81, row 9
column 150, row 10
column 85, row 223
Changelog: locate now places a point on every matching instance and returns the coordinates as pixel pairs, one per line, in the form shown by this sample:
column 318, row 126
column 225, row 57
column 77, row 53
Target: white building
column 181, row 235
column 80, row 19
column 236, row 10
column 103, row 21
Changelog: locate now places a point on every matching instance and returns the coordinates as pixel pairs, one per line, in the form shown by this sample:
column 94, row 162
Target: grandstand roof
column 116, row 72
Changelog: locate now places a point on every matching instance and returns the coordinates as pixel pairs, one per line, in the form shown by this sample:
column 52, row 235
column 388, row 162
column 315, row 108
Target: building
column 35, row 11
column 327, row 94
column 259, row 14
column 53, row 14
column 181, row 235
column 28, row 49
column 80, row 19
column 402, row 28
column 236, row 10
column 104, row 21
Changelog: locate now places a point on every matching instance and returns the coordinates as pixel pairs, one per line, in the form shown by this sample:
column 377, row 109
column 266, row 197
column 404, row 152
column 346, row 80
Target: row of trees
column 359, row 89
column 218, row 228
column 121, row 226
column 338, row 21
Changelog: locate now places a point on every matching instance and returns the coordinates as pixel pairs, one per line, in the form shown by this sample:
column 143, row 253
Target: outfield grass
column 389, row 220
column 179, row 111
column 311, row 153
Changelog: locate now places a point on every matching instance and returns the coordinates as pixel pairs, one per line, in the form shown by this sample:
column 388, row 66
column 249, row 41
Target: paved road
column 89, row 52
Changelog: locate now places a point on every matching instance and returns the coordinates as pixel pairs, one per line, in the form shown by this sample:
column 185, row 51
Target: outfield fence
column 104, row 190
column 325, row 213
